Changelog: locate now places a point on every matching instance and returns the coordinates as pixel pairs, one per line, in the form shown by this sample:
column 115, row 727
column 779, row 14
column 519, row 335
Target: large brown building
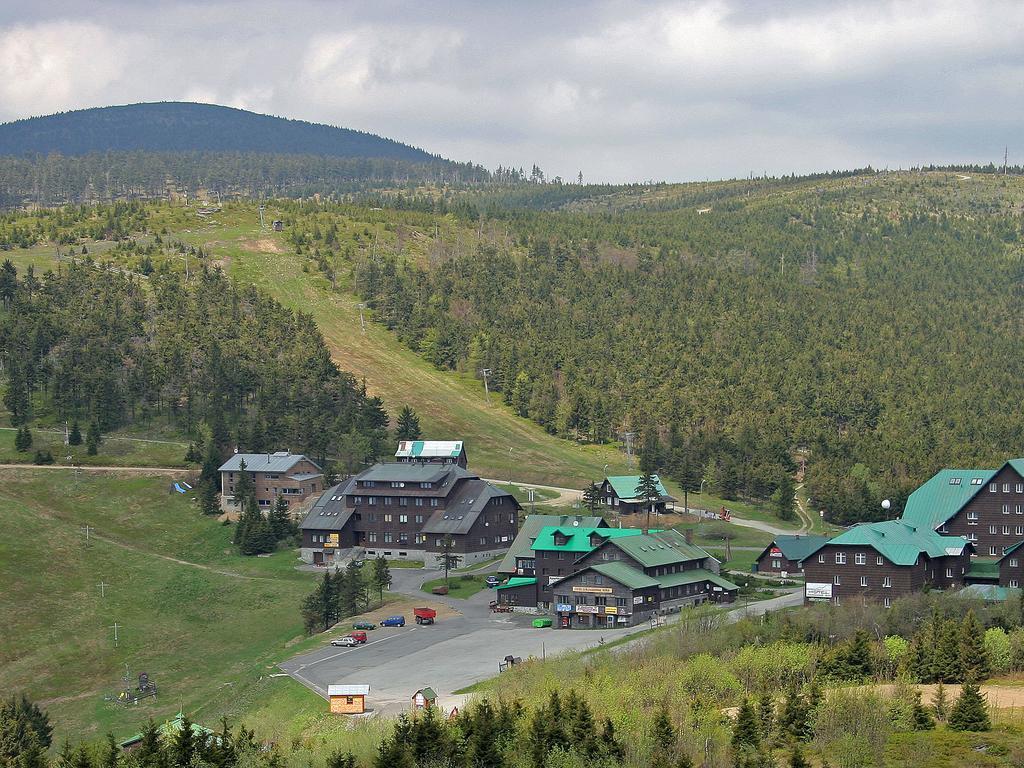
column 598, row 577
column 290, row 476
column 884, row 561
column 405, row 511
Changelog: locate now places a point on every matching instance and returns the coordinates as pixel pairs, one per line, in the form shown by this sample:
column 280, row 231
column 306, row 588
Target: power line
column 87, row 530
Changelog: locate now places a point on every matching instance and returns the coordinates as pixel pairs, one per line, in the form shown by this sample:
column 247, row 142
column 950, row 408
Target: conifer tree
column 582, row 733
column 184, row 745
column 858, row 656
column 341, row 759
column 408, row 427
column 922, row 718
column 940, row 704
column 75, row 435
column 745, row 730
column 970, row 713
column 208, row 503
column 149, row 753
column 611, row 747
column 793, row 715
column 592, row 497
column 93, row 438
column 663, row 732
column 111, row 753
column 797, row 759
column 381, row 576
column 483, row 749
column 974, row 661
column 537, row 738
column 428, row 739
column 766, row 716
column 947, row 659
column 281, row 524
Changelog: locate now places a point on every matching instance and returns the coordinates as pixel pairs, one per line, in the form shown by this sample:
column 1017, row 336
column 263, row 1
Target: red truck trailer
column 424, row 615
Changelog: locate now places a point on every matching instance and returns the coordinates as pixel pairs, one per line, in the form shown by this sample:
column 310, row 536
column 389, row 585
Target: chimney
column 688, row 535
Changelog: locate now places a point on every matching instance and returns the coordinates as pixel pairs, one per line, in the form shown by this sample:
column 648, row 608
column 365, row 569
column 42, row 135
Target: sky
column 620, row 91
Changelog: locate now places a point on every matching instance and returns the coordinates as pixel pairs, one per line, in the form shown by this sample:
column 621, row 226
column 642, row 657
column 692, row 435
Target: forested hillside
column 216, row 361
column 871, row 323
column 156, row 150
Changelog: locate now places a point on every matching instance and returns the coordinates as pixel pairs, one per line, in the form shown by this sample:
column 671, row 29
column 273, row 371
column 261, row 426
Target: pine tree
column 408, row 427
column 211, row 464
column 75, row 436
column 93, row 438
column 483, row 747
column 149, row 753
column 797, row 759
column 610, row 745
column 281, row 524
column 341, row 759
column 23, row 439
column 974, row 661
column 922, row 718
column 381, row 576
column 766, row 716
column 940, row 704
column 537, row 737
column 947, row 660
column 32, row 756
column 647, row 489
column 793, row 715
column 784, row 498
column 208, row 502
column 663, row 732
column 745, row 729
column 858, row 656
column 184, row 745
column 970, row 713
column 592, row 497
column 111, row 753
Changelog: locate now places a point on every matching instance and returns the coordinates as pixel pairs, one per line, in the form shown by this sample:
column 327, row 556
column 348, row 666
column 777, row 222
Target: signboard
column 818, row 591
column 332, row 540
column 638, row 600
column 586, row 609
column 563, row 607
column 775, row 552
column 611, row 609
column 594, row 590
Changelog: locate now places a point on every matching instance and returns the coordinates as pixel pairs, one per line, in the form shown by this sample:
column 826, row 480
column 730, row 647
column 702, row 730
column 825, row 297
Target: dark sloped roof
column 796, row 546
column 623, row 574
column 403, row 472
column 659, row 548
column 282, row 461
column 464, row 506
column 328, row 513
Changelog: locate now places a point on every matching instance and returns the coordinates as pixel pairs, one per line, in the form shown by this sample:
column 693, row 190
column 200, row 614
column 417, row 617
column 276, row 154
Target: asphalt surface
column 453, row 653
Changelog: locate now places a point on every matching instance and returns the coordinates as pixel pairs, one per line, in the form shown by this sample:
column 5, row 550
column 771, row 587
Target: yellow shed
column 347, row 699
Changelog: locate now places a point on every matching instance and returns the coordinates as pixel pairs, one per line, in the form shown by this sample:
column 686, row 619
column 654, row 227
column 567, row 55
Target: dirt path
column 91, row 468
column 106, row 437
column 566, row 496
column 806, row 521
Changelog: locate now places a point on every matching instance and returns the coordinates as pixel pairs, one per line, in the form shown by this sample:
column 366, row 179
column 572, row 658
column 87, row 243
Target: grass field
column 115, row 450
column 460, row 586
column 204, row 622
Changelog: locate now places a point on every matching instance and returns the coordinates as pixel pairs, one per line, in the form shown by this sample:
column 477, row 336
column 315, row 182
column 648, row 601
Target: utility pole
column 103, row 588
column 1006, row 156
column 115, row 627
column 262, row 224
column 87, row 530
column 510, row 466
column 486, row 372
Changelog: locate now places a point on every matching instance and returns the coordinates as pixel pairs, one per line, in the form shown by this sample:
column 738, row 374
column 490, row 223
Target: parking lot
column 453, row 653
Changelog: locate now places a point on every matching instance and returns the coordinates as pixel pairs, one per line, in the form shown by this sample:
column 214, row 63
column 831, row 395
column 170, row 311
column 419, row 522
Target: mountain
column 189, row 127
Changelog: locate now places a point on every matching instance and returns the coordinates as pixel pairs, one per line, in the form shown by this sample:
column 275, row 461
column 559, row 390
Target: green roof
column 797, row 547
column 942, row 496
column 579, row 537
column 522, row 546
column 692, row 576
column 625, row 486
column 990, row 592
column 624, row 575
column 659, row 548
column 517, row 581
column 984, row 568
column 428, row 693
column 170, row 729
column 899, row 541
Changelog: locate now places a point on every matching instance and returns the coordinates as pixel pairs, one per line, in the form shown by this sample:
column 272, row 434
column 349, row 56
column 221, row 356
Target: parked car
column 364, row 625
column 424, row 615
column 346, row 641
column 393, row 621
column 359, row 637
column 492, row 582
column 542, row 623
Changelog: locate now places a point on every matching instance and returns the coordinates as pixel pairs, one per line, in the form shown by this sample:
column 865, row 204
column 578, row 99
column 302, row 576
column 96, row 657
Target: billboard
column 818, row 591
column 594, row 590
column 563, row 607
column 586, row 609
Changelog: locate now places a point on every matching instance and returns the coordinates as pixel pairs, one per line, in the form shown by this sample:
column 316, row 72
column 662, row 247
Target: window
column 1006, row 487
column 1013, row 584
column 1019, row 509
column 371, row 500
column 433, row 502
column 1006, row 530
column 863, row 581
column 419, row 501
column 992, row 551
column 370, row 483
column 1020, row 488
column 976, row 481
column 599, row 580
column 403, row 518
column 600, row 601
column 878, row 560
column 1006, row 509
column 396, row 484
column 620, row 601
column 419, row 518
column 949, row 573
column 840, row 558
column 972, row 537
column 821, row 558
column 972, row 518
column 993, row 487
column 888, row 602
column 357, row 499
column 371, row 517
column 887, row 582
column 425, row 485
column 954, row 481
column 387, row 537
column 775, row 563
column 437, row 543
column 483, row 540
column 580, row 599
column 387, row 517
column 1013, row 562
column 993, row 530
column 860, row 558
column 371, row 536
column 421, row 538
column 403, row 538
column 835, row 580
column 403, row 502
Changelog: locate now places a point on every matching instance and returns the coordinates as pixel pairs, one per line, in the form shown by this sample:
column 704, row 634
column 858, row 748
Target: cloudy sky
column 620, row 90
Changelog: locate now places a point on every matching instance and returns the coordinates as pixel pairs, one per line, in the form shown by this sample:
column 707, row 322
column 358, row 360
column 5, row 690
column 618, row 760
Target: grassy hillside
column 204, row 622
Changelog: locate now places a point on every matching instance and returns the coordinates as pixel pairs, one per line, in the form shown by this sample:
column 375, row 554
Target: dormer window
column 954, row 481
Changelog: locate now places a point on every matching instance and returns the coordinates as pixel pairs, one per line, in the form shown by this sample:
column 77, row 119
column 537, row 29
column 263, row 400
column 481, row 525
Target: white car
column 346, row 642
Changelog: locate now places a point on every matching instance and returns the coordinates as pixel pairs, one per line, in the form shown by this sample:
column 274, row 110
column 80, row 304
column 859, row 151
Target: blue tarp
column 178, row 488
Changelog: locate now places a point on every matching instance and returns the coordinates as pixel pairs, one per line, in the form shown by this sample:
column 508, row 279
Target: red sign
column 775, row 552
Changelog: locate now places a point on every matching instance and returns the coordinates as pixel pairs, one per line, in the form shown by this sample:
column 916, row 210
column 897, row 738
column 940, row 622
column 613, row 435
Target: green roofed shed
column 517, row 581
column 625, row 487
